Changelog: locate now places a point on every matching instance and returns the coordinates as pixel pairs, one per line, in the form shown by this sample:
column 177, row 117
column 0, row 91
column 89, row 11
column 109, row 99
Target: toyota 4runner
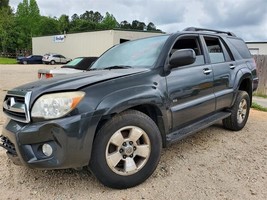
column 138, row 97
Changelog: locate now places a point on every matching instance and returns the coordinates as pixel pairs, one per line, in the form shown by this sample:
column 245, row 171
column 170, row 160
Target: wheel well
column 153, row 112
column 246, row 85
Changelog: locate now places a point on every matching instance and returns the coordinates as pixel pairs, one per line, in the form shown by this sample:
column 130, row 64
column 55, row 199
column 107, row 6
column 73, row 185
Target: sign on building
column 59, row 38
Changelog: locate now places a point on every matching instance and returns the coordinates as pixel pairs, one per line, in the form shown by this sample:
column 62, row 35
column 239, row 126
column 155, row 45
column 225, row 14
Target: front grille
column 9, row 146
column 16, row 105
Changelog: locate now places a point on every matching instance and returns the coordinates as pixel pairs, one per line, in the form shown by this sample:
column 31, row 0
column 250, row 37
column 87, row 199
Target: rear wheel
column 52, row 62
column 25, row 62
column 239, row 112
column 126, row 150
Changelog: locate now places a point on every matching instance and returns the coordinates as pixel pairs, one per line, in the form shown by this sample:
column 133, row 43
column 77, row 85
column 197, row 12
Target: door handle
column 232, row 66
column 207, row 71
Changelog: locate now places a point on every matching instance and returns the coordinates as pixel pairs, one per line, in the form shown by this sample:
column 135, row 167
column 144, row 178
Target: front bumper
column 71, row 139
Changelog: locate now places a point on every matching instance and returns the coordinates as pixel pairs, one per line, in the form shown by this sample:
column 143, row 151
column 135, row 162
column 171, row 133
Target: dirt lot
column 213, row 164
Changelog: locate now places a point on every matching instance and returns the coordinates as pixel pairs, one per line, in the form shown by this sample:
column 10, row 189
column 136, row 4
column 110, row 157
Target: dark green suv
column 138, row 97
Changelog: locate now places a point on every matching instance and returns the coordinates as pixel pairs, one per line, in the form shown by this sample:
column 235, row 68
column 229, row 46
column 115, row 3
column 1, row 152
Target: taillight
column 39, row 75
column 48, row 75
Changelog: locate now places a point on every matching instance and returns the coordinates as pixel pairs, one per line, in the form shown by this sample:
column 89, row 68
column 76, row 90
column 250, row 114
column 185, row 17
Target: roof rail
column 209, row 30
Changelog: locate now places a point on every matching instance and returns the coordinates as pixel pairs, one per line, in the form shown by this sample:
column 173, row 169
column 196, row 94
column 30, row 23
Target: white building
column 84, row 44
column 257, row 48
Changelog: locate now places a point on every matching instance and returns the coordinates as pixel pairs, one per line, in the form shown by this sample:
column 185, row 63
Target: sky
column 246, row 18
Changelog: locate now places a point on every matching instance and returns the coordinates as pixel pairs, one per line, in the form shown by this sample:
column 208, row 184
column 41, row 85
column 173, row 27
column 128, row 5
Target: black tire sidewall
column 240, row 96
column 98, row 162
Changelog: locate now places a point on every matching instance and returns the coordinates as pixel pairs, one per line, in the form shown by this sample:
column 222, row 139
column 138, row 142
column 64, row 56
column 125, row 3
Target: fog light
column 47, row 149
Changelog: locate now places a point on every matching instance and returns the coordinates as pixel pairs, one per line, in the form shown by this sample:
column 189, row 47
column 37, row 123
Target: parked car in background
column 77, row 65
column 32, row 59
column 52, row 59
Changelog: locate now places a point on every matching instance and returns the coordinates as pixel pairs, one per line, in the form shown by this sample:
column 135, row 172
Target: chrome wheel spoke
column 242, row 111
column 117, row 139
column 129, row 165
column 142, row 150
column 114, row 158
column 135, row 134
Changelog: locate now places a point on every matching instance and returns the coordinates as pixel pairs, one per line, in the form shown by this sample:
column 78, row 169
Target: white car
column 77, row 65
column 52, row 59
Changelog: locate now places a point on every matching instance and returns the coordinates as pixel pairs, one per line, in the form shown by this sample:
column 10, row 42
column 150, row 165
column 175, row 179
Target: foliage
column 6, row 24
column 4, row 3
column 48, row 26
column 27, row 19
column 17, row 29
column 109, row 22
column 258, row 107
column 7, row 60
column 260, row 95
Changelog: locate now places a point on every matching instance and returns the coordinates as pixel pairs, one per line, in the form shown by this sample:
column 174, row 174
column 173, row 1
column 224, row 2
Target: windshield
column 74, row 62
column 137, row 53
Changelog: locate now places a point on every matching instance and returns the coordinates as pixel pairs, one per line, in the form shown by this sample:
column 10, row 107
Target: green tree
column 64, row 23
column 74, row 17
column 6, row 27
column 97, row 17
column 48, row 26
column 4, row 4
column 109, row 22
column 137, row 25
column 151, row 27
column 125, row 25
column 27, row 18
column 92, row 16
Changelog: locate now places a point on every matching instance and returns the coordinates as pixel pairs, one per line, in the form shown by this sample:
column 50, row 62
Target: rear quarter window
column 240, row 46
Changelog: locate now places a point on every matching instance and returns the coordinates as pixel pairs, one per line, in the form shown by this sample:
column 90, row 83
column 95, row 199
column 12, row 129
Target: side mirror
column 182, row 57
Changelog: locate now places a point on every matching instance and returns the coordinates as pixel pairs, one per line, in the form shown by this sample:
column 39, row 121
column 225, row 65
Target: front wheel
column 52, row 62
column 126, row 150
column 239, row 112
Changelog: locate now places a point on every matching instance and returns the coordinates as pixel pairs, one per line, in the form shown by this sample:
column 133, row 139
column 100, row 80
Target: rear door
column 224, row 70
column 56, row 58
column 62, row 59
column 190, row 88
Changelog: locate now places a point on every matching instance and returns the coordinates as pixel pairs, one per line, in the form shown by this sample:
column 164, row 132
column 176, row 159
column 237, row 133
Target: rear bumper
column 70, row 138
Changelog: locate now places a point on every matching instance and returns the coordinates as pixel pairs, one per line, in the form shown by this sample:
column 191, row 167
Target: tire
column 52, row 62
column 239, row 112
column 25, row 62
column 126, row 150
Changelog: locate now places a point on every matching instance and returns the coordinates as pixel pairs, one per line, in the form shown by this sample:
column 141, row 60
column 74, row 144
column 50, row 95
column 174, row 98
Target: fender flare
column 242, row 74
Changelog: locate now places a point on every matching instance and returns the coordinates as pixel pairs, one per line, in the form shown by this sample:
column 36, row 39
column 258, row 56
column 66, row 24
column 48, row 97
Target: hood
column 76, row 81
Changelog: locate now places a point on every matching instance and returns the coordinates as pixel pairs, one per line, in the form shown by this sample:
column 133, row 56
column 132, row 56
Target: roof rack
column 209, row 30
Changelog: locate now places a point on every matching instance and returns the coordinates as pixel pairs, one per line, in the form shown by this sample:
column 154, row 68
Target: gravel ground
column 213, row 164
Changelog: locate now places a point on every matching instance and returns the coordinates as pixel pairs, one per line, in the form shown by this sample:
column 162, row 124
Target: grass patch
column 260, row 95
column 8, row 60
column 258, row 107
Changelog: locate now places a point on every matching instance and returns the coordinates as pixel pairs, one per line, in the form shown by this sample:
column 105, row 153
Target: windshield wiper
column 118, row 67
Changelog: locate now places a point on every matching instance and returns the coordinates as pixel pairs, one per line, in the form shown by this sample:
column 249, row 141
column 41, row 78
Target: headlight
column 51, row 106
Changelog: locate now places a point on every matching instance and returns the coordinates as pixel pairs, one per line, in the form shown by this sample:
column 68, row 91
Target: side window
column 216, row 51
column 241, row 47
column 190, row 42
